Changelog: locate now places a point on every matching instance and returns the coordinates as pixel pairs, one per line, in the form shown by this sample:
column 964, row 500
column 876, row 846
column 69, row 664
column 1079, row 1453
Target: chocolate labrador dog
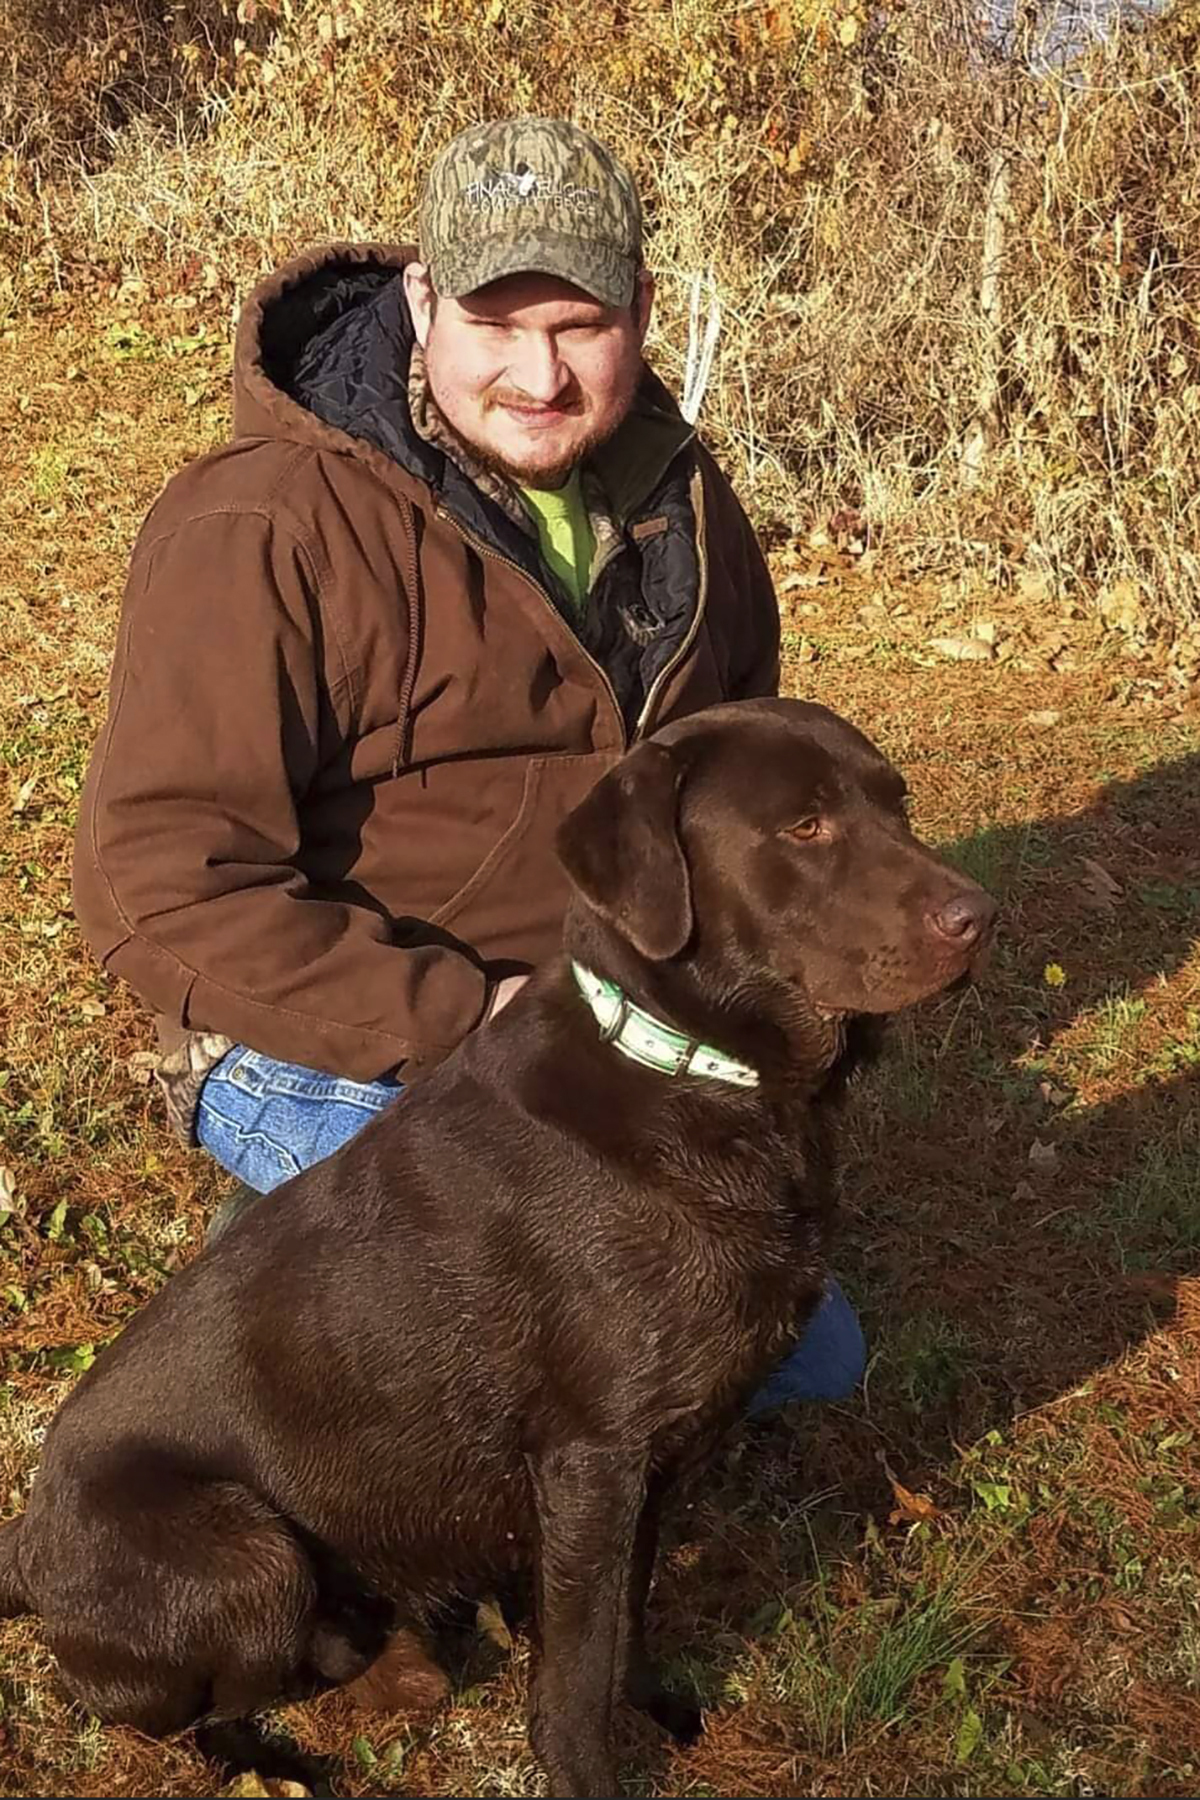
column 489, row 1333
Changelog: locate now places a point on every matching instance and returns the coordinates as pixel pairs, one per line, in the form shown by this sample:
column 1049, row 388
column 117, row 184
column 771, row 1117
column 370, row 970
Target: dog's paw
column 683, row 1721
column 404, row 1678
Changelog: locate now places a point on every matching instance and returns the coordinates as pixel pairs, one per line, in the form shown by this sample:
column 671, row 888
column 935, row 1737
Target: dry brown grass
column 1019, row 1379
column 829, row 167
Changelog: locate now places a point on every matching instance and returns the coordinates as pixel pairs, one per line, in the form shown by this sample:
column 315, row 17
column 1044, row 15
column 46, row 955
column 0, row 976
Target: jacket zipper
column 627, row 737
column 483, row 549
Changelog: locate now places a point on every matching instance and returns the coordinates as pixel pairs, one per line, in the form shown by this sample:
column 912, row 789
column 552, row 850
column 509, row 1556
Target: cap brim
column 599, row 270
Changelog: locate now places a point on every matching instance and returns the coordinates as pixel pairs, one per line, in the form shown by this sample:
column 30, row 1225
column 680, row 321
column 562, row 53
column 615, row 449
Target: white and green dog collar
column 643, row 1039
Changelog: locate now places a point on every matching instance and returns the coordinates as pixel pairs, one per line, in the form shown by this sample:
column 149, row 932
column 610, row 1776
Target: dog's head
column 758, row 856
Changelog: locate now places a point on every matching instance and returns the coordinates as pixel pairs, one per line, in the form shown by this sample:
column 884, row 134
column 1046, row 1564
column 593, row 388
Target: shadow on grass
column 1021, row 1187
column 988, row 1283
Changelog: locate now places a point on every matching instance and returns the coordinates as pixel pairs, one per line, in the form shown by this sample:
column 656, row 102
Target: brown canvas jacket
column 347, row 711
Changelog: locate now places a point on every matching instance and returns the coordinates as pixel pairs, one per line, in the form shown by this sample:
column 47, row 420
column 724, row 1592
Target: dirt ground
column 980, row 1576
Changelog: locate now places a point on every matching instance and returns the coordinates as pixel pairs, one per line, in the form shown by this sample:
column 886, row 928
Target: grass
column 979, row 1575
column 1149, row 1217
column 930, row 1355
column 848, row 1672
column 1111, row 1031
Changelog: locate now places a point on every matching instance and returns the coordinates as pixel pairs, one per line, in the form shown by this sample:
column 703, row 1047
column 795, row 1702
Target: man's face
column 531, row 372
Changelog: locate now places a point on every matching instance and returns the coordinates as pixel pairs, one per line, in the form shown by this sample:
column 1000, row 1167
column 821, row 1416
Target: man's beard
column 551, row 475
column 538, row 476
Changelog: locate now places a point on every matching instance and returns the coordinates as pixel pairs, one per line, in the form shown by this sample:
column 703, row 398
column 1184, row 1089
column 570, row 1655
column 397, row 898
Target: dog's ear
column 621, row 849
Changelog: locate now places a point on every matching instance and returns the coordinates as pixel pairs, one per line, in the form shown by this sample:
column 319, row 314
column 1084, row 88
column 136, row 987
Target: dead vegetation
column 957, row 273
column 957, row 383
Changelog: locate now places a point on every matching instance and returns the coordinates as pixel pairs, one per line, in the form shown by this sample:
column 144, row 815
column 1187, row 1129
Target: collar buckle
column 616, row 1025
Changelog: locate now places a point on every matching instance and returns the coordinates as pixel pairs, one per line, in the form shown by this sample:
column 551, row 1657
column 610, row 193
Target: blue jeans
column 265, row 1121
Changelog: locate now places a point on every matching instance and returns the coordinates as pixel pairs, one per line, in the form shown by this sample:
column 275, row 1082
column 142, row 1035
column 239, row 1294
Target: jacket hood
column 322, row 358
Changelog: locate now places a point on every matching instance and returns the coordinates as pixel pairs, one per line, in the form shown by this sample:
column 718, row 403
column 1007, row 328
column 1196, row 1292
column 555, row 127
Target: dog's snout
column 964, row 918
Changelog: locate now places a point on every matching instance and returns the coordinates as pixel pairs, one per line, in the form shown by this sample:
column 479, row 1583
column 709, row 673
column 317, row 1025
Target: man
column 461, row 551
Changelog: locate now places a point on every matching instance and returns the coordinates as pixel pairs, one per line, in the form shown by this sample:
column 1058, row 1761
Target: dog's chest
column 718, row 1307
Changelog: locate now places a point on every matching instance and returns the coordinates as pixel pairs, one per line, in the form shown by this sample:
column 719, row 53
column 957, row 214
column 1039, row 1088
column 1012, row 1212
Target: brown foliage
column 831, row 168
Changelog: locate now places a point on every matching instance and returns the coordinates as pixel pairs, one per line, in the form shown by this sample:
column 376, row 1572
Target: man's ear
column 418, row 291
column 621, row 849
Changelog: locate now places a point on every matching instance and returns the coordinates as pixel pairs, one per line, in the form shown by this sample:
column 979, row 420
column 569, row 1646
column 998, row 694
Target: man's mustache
column 568, row 401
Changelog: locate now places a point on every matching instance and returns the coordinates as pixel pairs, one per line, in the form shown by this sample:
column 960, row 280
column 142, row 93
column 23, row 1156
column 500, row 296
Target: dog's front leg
column 683, row 1720
column 589, row 1499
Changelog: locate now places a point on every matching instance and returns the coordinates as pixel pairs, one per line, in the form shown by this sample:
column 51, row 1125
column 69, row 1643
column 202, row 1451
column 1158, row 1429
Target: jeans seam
column 284, row 1157
column 322, row 1088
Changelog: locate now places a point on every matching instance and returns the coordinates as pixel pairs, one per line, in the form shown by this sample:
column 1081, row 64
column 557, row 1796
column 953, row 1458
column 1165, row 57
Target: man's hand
column 502, row 993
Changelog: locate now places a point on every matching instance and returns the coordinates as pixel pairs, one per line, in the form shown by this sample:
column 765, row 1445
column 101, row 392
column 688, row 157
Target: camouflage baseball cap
column 531, row 194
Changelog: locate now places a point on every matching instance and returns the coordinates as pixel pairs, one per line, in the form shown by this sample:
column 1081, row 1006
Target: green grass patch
column 1001, row 857
column 929, row 1356
column 849, row 1669
column 1108, row 1035
column 1149, row 1216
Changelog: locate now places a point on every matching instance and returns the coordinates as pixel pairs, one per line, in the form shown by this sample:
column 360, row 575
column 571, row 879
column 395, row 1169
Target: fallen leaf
column 1121, row 606
column 249, row 1786
column 1043, row 1156
column 962, row 649
column 802, row 578
column 1043, row 720
column 1022, row 1191
column 873, row 615
column 911, row 1507
column 1051, row 647
column 985, row 630
column 1032, row 584
column 24, row 794
column 141, row 1066
column 1098, row 890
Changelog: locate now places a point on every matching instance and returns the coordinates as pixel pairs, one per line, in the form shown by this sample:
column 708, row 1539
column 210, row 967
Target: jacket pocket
column 521, row 874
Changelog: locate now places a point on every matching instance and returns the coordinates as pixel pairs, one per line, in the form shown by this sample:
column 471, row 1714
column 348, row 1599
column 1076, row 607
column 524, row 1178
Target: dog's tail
column 13, row 1599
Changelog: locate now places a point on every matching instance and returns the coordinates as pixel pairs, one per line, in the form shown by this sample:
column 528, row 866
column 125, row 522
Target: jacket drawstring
column 412, row 590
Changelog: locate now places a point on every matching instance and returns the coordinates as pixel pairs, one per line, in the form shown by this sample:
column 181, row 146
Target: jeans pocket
column 265, row 1120
column 242, row 1145
column 266, row 1078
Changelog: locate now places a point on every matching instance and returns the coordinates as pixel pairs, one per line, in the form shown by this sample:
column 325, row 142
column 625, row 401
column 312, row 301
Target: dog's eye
column 804, row 829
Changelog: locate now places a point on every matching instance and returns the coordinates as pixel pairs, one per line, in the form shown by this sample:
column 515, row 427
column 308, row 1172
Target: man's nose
column 536, row 367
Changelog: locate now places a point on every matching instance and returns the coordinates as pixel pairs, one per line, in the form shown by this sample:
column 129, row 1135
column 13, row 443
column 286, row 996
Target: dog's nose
column 964, row 918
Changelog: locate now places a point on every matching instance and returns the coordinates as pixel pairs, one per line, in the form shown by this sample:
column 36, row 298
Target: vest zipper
column 701, row 603
column 482, row 549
